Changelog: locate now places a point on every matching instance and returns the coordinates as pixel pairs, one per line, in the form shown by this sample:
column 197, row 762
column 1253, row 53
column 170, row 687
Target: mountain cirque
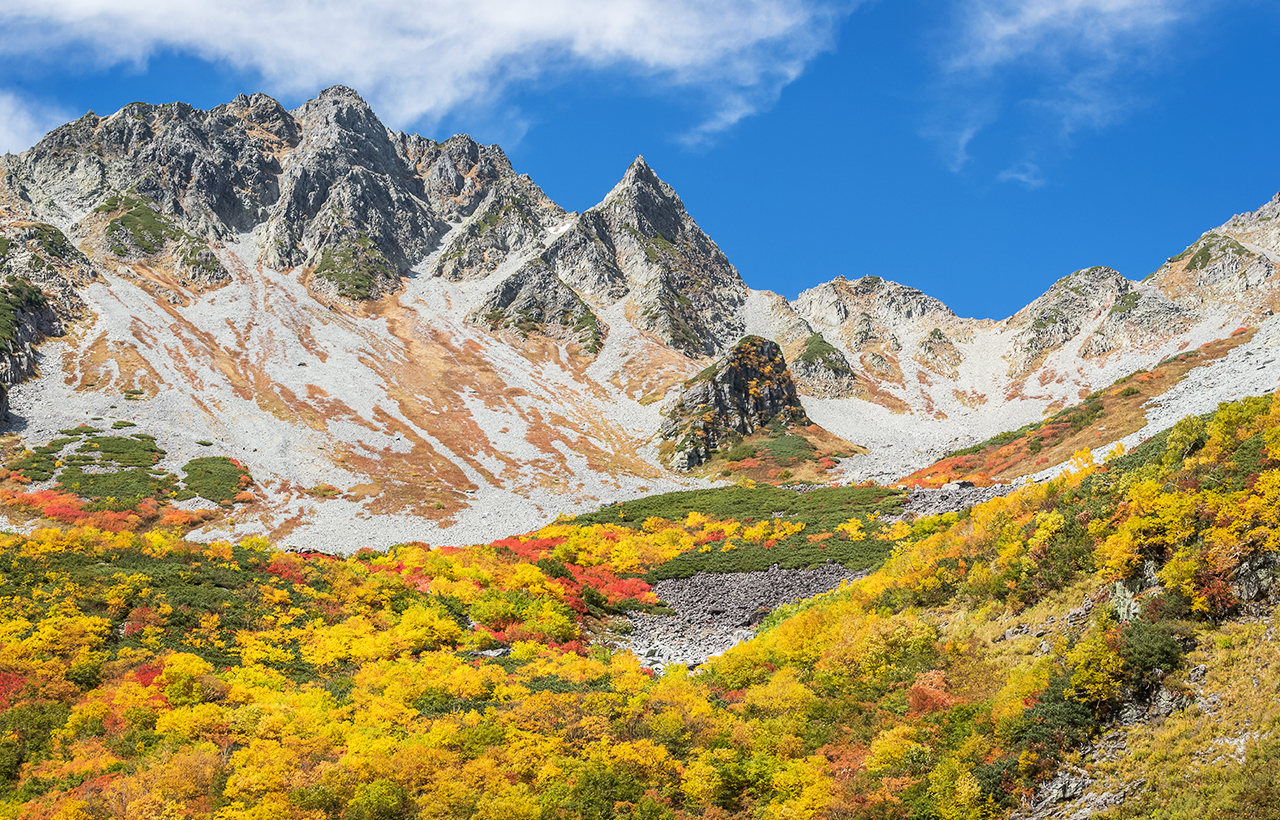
column 420, row 327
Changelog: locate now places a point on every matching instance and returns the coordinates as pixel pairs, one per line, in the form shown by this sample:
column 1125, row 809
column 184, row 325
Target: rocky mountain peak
column 1073, row 297
column 639, row 172
column 642, row 200
column 882, row 300
column 342, row 92
column 1094, row 299
column 342, row 126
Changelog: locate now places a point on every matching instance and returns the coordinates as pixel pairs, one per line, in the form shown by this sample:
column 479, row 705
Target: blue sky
column 975, row 149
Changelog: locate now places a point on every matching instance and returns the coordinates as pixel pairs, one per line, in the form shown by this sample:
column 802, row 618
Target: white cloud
column 1026, row 173
column 960, row 157
column 23, row 123
column 1062, row 65
column 418, row 61
column 997, row 33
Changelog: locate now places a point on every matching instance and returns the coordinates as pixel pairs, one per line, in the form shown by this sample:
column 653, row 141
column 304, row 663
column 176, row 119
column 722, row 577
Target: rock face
column 1128, row 312
column 1217, row 269
column 879, row 327
column 514, row 217
column 533, row 299
column 39, row 272
column 327, row 185
column 741, row 393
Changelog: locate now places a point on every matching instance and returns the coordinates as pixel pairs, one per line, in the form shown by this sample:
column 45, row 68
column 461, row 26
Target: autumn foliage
column 145, row 676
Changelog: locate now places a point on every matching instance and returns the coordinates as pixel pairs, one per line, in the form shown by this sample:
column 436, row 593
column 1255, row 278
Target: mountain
column 405, row 339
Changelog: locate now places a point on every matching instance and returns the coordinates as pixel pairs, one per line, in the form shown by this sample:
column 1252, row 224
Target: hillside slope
column 1101, row 642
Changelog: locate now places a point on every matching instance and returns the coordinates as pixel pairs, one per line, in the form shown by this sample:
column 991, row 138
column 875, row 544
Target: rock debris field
column 950, row 498
column 716, row 611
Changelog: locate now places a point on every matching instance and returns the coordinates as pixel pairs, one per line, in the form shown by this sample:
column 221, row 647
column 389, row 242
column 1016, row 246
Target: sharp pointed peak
column 640, row 175
column 641, row 172
column 340, row 92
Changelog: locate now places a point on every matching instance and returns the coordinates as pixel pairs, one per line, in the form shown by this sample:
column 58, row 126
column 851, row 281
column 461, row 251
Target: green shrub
column 382, row 799
column 214, row 478
column 787, row 449
column 1125, row 304
column 17, row 296
column 139, row 225
column 818, row 350
column 54, row 242
column 1148, row 647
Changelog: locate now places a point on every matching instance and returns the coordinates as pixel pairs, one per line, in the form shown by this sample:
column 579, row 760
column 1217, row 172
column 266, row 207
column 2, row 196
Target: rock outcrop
column 534, row 300
column 1218, row 269
column 1059, row 315
column 873, row 320
column 820, row 369
column 39, row 272
column 514, row 218
column 739, row 394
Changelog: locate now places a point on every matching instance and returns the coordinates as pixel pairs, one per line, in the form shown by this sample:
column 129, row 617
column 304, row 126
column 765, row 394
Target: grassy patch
column 820, row 510
column 1125, row 304
column 54, row 242
column 356, row 267
column 216, row 478
column 818, row 350
column 787, row 450
column 1201, row 257
column 654, row 246
column 589, row 332
column 139, row 225
column 114, row 472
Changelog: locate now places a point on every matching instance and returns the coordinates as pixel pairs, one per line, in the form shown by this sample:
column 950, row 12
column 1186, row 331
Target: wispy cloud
column 997, row 33
column 417, row 62
column 23, row 122
column 1026, row 173
column 1062, row 65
